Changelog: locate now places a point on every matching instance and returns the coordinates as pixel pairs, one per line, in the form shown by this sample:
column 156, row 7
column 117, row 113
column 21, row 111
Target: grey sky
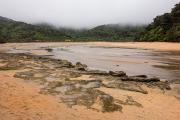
column 85, row 13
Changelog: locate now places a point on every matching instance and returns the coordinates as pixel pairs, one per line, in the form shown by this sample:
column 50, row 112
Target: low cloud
column 85, row 13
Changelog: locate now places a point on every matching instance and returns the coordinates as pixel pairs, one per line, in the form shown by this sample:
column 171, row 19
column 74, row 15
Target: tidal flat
column 75, row 80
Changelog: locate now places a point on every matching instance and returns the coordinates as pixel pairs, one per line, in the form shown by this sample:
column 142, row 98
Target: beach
column 37, row 87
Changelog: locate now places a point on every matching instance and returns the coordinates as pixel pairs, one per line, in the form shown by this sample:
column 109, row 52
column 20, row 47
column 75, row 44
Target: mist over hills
column 164, row 28
column 14, row 31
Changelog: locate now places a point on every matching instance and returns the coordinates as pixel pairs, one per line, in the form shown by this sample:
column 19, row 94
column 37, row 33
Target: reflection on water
column 165, row 65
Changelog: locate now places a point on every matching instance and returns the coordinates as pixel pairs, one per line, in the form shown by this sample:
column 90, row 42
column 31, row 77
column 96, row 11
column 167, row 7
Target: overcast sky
column 85, row 13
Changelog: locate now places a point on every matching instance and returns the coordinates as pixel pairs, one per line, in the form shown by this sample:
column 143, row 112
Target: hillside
column 164, row 28
column 13, row 31
column 109, row 32
column 115, row 32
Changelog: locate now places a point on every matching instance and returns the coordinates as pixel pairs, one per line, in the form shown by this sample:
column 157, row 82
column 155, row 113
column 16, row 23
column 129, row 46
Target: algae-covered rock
column 12, row 65
column 140, row 79
column 107, row 103
column 126, row 86
column 91, row 84
column 117, row 73
column 129, row 101
column 80, row 66
column 24, row 75
column 64, row 63
column 97, row 72
column 163, row 85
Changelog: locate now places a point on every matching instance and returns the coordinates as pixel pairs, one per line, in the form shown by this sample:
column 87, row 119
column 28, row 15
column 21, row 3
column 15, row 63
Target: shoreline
column 157, row 46
column 62, row 78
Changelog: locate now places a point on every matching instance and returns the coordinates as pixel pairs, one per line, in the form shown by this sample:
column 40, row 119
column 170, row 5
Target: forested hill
column 13, row 31
column 164, row 28
column 113, row 32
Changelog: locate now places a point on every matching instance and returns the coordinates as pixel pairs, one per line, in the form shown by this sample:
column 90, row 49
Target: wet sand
column 21, row 99
column 159, row 46
column 165, row 65
column 151, row 59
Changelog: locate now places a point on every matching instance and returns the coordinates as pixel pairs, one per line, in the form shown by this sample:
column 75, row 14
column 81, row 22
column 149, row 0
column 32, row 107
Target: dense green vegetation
column 164, row 28
column 107, row 33
column 13, row 31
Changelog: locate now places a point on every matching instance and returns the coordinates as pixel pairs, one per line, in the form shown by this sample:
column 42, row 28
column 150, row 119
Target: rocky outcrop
column 140, row 79
column 97, row 72
column 55, row 77
column 126, row 86
column 117, row 73
column 64, row 63
column 80, row 66
column 107, row 103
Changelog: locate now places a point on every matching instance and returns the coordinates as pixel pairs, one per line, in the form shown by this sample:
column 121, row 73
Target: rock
column 74, row 74
column 80, row 66
column 141, row 76
column 64, row 89
column 129, row 101
column 126, row 86
column 12, row 66
column 24, row 75
column 107, row 103
column 140, row 79
column 64, row 63
column 54, row 84
column 163, row 85
column 92, row 84
column 49, row 49
column 97, row 72
column 117, row 73
column 72, row 99
column 69, row 100
column 176, row 81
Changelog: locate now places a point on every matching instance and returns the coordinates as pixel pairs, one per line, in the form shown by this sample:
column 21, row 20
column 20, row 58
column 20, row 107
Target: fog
column 85, row 13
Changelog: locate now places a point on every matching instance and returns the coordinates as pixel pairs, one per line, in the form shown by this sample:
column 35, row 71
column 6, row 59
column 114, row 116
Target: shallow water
column 165, row 65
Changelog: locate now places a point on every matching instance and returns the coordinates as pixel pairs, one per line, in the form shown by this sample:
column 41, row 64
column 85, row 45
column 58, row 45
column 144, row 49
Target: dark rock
column 14, row 65
column 129, row 101
column 74, row 74
column 89, row 84
column 95, row 84
column 54, row 84
column 141, row 76
column 24, row 75
column 177, row 81
column 126, row 86
column 97, row 72
column 49, row 49
column 140, row 79
column 65, row 63
column 117, row 73
column 107, row 103
column 64, row 89
column 161, row 84
column 80, row 66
